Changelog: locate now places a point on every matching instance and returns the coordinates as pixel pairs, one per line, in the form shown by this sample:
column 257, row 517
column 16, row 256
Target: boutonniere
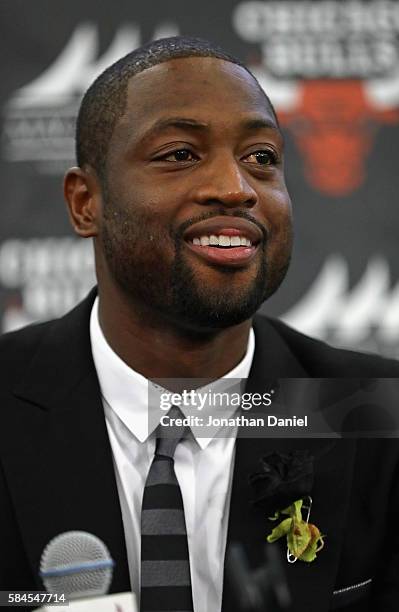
column 282, row 483
column 304, row 539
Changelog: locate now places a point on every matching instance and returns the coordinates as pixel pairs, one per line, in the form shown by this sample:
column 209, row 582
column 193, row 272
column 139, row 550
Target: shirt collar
column 126, row 391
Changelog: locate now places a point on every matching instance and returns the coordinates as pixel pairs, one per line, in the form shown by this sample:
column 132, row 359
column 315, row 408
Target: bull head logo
column 334, row 123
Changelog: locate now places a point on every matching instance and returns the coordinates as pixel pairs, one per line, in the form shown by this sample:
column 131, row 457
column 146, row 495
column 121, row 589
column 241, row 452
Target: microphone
column 78, row 564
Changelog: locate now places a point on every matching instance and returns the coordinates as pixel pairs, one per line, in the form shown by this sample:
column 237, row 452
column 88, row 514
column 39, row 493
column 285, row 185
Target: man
column 180, row 183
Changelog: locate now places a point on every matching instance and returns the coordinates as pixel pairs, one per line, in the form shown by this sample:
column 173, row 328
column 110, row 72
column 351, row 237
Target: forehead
column 204, row 88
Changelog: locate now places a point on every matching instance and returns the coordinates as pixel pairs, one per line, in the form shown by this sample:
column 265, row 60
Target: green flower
column 304, row 539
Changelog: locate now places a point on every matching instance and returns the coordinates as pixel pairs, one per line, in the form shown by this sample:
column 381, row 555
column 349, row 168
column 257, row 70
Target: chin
column 206, row 304
column 218, row 313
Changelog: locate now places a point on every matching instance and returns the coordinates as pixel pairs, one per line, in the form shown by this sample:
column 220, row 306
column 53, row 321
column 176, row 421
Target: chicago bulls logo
column 334, row 124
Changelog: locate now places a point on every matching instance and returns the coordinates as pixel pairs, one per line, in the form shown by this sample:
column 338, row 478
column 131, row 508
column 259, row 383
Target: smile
column 222, row 241
column 225, row 241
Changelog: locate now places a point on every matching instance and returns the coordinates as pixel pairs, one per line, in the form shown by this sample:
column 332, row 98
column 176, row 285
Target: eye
column 263, row 157
column 180, row 155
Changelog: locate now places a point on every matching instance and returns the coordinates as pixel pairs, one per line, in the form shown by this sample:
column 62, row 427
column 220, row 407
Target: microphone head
column 78, row 564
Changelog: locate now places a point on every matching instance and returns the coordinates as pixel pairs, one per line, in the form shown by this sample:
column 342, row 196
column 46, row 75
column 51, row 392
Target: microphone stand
column 261, row 590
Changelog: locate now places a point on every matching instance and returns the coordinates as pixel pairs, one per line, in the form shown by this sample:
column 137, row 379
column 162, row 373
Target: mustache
column 242, row 214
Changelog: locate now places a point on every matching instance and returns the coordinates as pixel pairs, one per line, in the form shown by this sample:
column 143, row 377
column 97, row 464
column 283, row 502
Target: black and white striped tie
column 165, row 566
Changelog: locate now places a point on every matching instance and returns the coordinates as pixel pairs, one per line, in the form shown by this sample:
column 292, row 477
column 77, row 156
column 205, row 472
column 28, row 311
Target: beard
column 211, row 307
column 132, row 248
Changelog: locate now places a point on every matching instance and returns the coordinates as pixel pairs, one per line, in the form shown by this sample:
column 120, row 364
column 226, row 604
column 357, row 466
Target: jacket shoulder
column 18, row 347
column 52, row 340
column 323, row 360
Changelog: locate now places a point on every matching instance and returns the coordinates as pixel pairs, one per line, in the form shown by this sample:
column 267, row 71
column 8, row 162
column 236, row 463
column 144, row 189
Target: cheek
column 154, row 208
column 141, row 208
column 277, row 211
column 278, row 216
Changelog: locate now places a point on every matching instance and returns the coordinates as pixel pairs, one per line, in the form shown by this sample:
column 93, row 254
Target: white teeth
column 223, row 241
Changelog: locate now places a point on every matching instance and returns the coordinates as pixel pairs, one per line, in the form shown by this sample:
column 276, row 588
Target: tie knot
column 168, row 436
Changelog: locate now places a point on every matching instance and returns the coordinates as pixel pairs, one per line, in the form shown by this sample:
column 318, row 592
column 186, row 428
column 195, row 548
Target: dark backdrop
column 332, row 71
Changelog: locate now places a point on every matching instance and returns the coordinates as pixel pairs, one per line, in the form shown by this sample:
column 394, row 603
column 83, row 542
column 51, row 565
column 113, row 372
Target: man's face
column 196, row 219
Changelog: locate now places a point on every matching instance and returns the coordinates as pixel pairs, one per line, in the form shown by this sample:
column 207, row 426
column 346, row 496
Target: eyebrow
column 184, row 123
column 181, row 123
column 259, row 124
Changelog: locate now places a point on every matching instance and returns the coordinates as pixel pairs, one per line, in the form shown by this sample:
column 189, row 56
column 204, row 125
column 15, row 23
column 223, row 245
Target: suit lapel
column 311, row 585
column 59, row 468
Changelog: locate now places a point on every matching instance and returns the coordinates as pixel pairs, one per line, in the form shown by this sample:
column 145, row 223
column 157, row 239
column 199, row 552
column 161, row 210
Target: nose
column 223, row 181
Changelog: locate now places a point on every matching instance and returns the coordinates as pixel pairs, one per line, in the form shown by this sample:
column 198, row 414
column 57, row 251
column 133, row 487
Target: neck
column 160, row 349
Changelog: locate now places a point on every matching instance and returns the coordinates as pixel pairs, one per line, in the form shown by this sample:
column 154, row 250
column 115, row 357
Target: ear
column 83, row 195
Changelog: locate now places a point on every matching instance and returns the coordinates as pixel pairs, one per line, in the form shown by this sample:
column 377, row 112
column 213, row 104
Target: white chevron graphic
column 78, row 64
column 39, row 118
column 351, row 312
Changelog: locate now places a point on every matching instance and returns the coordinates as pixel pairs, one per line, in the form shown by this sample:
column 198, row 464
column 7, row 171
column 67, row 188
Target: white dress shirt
column 203, row 466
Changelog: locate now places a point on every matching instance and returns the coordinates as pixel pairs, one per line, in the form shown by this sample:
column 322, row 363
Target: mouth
column 226, row 241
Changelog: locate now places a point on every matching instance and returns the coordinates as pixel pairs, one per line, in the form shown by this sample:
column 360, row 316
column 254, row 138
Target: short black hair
column 105, row 100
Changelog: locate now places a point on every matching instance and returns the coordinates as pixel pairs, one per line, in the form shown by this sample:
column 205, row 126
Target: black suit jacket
column 56, row 469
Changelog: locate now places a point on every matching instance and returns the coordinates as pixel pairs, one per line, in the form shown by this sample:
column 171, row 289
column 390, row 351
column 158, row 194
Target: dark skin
column 231, row 164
